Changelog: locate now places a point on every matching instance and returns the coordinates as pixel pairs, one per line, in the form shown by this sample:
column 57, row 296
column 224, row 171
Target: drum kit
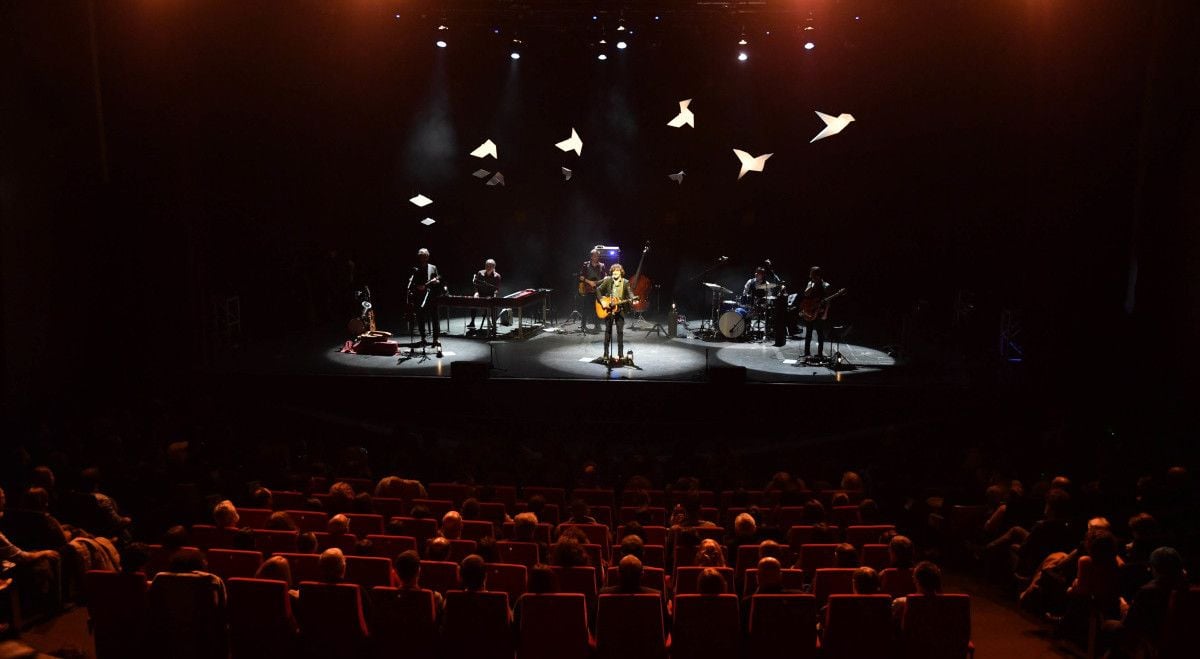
column 741, row 320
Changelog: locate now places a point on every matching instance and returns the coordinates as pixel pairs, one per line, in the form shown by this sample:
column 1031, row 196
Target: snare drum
column 728, row 305
column 732, row 323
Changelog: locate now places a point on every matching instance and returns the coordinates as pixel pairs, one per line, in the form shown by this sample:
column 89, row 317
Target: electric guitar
column 423, row 290
column 587, row 286
column 607, row 305
column 812, row 308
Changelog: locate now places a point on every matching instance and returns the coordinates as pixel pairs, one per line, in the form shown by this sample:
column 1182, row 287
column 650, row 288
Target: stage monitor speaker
column 727, row 374
column 463, row 371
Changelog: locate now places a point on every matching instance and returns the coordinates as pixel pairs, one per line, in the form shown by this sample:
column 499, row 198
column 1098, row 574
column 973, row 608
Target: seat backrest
column 657, row 516
column 360, row 485
column 1180, row 636
column 160, row 559
column 260, row 618
column 595, row 553
column 578, row 579
column 436, row 507
column 477, row 625
column 793, row 579
column 710, row 533
column 518, row 553
column 597, row 534
column 507, row 578
column 789, row 516
column 207, row 536
column 555, row 495
column 389, row 507
column 440, row 576
column 876, row 556
column 654, row 555
column 844, row 516
column 185, row 615
column 857, row 626
column 391, row 546
column 255, row 518
column 783, row 626
column 304, row 567
column 832, row 581
column 493, row 511
column 287, row 500
column 228, row 563
column 116, row 604
column 936, row 627
column 275, row 542
column 630, row 627
column 813, row 557
column 657, row 498
column 421, row 529
column 553, row 626
column 309, row 520
column 652, row 577
column 363, row 524
column 706, row 626
column 460, row 549
column 897, row 582
column 687, row 579
column 368, row 571
column 863, row 535
column 454, row 492
column 595, row 497
column 403, row 623
column 746, row 558
column 506, row 494
column 343, row 541
column 331, row 619
column 541, row 534
column 799, row 535
column 474, row 529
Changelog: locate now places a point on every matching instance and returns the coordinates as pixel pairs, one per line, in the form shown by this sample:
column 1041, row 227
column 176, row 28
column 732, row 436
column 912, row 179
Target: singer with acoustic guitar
column 590, row 275
column 613, row 295
column 424, row 285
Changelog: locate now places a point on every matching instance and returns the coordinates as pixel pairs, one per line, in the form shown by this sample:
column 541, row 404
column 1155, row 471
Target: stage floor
column 563, row 352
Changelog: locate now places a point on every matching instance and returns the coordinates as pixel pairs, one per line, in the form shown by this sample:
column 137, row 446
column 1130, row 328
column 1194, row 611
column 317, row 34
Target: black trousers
column 587, row 309
column 487, row 320
column 821, row 327
column 618, row 320
column 429, row 315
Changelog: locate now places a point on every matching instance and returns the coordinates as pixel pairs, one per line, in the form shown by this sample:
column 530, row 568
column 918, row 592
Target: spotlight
column 514, row 55
column 809, row 45
column 742, row 56
column 602, row 57
column 621, row 45
column 620, row 28
column 741, row 42
column 441, row 44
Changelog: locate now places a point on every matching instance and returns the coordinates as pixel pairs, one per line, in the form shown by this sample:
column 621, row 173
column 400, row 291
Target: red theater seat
column 228, row 563
column 507, row 578
column 554, row 626
column 368, row 571
column 706, row 627
column 331, row 620
column 116, row 604
column 832, row 581
column 261, row 624
column 439, row 575
column 936, row 627
column 477, row 625
column 391, row 546
column 857, row 626
column 782, row 626
column 630, row 627
column 403, row 624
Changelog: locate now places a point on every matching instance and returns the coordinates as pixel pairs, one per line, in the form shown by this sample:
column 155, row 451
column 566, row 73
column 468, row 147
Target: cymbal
column 718, row 287
column 766, row 286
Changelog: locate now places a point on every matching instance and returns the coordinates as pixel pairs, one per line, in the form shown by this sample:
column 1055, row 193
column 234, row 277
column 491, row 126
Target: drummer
column 754, row 293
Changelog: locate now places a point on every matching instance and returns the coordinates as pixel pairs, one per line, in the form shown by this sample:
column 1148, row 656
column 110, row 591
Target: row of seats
column 332, row 622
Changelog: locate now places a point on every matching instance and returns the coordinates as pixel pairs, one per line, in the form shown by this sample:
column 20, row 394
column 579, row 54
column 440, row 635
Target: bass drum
column 733, row 323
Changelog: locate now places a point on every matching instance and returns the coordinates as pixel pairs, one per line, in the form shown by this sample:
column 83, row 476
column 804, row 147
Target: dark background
column 1035, row 155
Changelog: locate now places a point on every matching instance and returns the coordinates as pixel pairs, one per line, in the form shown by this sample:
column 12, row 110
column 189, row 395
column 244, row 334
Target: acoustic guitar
column 813, row 307
column 607, row 305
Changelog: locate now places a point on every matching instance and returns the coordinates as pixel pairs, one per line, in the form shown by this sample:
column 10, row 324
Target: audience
column 865, row 581
column 407, row 568
column 225, row 515
column 710, row 582
column 709, row 554
column 452, row 526
column 472, row 573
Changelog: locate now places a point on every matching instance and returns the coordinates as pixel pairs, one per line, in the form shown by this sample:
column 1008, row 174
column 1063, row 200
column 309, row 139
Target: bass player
column 424, row 285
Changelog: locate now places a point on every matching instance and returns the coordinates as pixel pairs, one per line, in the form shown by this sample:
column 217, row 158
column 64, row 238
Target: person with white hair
column 487, row 284
column 424, row 286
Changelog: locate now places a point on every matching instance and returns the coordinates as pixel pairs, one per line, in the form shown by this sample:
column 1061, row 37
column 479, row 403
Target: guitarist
column 589, row 276
column 424, row 286
column 814, row 295
column 615, row 286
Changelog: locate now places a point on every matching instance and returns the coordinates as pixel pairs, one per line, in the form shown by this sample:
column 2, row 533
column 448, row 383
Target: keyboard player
column 487, row 284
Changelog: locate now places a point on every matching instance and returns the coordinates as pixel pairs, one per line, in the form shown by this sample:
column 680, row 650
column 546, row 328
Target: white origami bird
column 488, row 148
column 481, row 173
column 428, row 221
column 421, row 201
column 573, row 143
column 751, row 163
column 678, row 178
column 497, row 179
column 566, row 174
column 685, row 116
column 833, row 125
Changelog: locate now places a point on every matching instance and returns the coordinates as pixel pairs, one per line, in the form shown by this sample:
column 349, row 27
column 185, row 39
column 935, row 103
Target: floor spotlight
column 808, row 45
column 742, row 56
column 621, row 45
column 441, row 44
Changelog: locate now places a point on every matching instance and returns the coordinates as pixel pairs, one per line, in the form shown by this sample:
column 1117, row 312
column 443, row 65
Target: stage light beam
column 742, row 56
column 809, row 45
column 621, row 45
column 440, row 44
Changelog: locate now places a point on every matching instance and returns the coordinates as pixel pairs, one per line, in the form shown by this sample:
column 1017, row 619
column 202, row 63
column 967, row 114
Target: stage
column 561, row 351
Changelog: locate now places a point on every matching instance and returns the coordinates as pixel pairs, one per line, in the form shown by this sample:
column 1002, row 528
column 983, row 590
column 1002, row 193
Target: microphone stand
column 712, row 315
